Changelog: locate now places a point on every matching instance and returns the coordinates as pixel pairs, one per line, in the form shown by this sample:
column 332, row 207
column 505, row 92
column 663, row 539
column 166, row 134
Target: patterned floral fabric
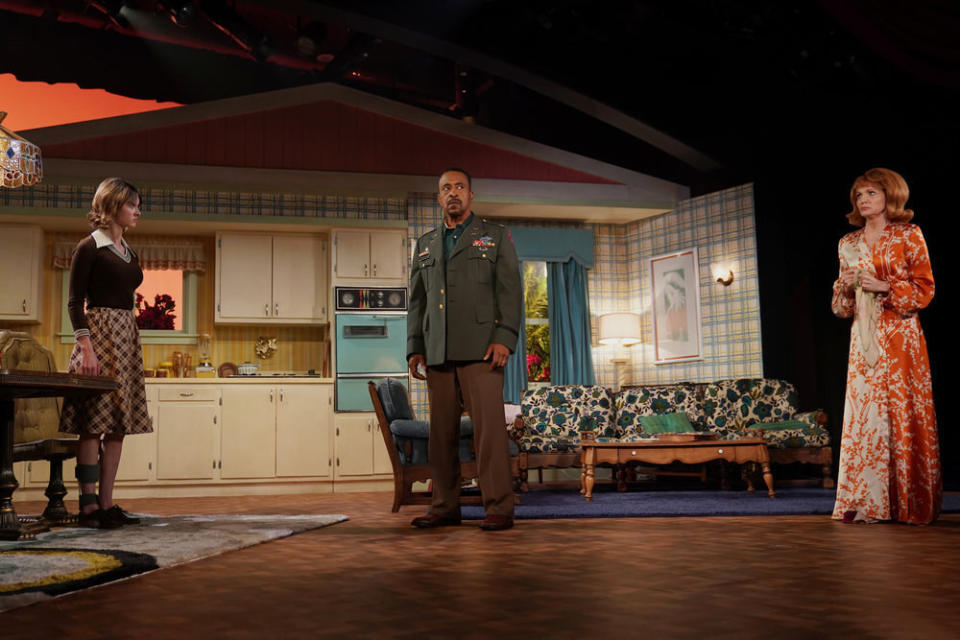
column 554, row 416
column 889, row 454
column 726, row 407
column 653, row 400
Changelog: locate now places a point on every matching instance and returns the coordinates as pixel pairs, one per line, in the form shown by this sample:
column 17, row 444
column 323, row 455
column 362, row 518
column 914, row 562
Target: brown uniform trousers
column 453, row 386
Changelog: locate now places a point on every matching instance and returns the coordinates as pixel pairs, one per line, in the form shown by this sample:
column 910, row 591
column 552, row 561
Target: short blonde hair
column 895, row 190
column 112, row 194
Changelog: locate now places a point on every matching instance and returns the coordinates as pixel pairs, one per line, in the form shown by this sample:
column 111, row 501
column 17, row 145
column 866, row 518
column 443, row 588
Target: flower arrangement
column 159, row 316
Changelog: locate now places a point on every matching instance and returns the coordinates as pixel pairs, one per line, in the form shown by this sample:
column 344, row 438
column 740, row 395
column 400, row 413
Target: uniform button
column 441, row 306
column 441, row 292
column 484, row 255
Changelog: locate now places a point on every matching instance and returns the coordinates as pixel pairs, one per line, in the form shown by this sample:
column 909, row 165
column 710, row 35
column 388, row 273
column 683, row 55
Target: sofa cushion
column 793, row 435
column 677, row 422
column 560, row 413
column 632, row 403
column 754, row 400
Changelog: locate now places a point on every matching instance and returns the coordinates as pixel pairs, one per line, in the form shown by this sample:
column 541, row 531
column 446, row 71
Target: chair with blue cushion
column 406, row 439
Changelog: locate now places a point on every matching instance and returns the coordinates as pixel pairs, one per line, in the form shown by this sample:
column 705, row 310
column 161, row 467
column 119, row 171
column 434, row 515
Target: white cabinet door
column 354, row 437
column 248, row 431
column 352, row 257
column 187, row 440
column 297, row 266
column 304, row 418
column 139, row 455
column 244, row 277
column 388, row 254
column 21, row 255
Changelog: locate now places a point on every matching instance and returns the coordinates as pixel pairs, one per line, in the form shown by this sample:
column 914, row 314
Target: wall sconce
column 723, row 273
column 621, row 330
column 727, row 279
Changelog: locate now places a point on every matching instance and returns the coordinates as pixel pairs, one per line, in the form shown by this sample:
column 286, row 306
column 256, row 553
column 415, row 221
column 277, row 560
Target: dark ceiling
column 697, row 92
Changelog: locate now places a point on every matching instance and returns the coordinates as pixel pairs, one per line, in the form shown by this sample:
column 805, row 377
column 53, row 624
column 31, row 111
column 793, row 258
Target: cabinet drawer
column 187, row 394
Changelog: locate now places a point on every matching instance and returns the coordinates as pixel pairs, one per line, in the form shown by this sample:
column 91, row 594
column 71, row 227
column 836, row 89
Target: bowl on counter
column 248, row 369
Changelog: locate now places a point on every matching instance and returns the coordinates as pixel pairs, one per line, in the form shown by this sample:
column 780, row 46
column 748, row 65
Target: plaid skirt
column 116, row 341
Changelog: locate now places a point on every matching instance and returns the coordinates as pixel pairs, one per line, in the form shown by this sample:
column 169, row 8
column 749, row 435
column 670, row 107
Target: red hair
column 894, row 188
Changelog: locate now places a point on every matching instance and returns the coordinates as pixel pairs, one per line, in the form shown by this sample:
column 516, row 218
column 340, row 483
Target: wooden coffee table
column 695, row 449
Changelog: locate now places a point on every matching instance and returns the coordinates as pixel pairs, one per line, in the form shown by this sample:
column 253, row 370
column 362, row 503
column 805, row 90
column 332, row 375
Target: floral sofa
column 547, row 431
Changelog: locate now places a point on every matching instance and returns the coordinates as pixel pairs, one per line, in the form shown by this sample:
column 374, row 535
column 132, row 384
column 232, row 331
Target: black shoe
column 117, row 514
column 432, row 520
column 98, row 519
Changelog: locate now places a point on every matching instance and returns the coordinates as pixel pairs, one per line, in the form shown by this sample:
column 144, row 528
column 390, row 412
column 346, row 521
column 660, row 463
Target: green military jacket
column 458, row 307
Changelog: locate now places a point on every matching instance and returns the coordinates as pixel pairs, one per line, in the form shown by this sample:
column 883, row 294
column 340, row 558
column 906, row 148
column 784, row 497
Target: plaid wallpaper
column 163, row 201
column 721, row 226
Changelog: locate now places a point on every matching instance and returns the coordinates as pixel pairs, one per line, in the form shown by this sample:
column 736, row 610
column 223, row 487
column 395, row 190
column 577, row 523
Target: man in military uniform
column 463, row 322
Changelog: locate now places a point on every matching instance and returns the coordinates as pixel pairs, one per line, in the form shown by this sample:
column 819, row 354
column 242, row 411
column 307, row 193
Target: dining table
column 15, row 384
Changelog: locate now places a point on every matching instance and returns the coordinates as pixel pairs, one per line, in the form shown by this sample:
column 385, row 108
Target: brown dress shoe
column 433, row 520
column 494, row 522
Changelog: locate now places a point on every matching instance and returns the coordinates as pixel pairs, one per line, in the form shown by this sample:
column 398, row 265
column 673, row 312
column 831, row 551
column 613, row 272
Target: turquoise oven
column 369, row 346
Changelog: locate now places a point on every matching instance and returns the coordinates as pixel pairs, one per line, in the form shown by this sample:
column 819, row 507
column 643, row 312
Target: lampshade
column 20, row 162
column 620, row 328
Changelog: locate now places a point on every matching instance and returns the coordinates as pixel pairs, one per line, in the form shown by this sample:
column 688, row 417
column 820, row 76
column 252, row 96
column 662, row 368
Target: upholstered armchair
column 407, row 438
column 36, row 433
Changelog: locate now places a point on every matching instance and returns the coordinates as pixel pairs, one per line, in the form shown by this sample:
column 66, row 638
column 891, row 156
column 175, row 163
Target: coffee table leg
column 768, row 478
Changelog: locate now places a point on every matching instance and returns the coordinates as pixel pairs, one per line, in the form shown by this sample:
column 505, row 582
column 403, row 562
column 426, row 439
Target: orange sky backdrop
column 30, row 105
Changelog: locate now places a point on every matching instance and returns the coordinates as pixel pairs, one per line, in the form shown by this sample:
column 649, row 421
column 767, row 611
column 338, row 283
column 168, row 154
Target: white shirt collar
column 103, row 240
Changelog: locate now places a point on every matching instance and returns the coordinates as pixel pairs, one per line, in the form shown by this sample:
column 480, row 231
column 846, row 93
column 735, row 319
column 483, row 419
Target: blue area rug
column 790, row 501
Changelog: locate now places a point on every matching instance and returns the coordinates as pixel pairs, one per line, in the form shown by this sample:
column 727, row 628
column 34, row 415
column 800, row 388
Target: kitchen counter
column 269, row 379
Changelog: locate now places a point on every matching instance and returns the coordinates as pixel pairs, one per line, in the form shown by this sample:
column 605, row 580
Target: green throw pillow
column 778, row 426
column 666, row 423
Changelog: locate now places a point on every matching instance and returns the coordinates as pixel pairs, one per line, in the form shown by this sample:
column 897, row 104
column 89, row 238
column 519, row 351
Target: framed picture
column 675, row 289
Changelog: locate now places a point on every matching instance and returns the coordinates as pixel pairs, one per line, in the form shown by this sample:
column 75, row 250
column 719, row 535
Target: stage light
column 310, row 39
column 180, row 12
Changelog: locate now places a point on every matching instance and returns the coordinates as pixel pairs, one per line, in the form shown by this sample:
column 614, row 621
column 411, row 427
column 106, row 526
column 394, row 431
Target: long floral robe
column 889, row 456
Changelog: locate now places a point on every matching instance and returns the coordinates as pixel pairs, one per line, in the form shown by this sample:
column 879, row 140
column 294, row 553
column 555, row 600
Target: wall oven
column 370, row 342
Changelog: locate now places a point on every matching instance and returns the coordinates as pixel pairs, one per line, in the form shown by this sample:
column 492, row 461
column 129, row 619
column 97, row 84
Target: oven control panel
column 371, row 299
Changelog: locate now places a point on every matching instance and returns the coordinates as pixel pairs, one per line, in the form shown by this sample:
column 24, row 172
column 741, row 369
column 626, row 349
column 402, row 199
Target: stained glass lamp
column 20, row 163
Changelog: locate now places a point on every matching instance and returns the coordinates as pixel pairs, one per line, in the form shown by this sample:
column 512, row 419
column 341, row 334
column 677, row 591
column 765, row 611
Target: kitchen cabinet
column 276, row 431
column 187, row 430
column 248, row 432
column 304, row 417
column 21, row 263
column 271, row 279
column 138, row 460
column 370, row 255
column 359, row 446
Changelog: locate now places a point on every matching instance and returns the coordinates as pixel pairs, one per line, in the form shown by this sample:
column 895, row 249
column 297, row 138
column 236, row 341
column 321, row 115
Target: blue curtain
column 571, row 361
column 515, row 373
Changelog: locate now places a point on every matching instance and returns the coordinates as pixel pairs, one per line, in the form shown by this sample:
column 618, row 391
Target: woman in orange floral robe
column 889, row 456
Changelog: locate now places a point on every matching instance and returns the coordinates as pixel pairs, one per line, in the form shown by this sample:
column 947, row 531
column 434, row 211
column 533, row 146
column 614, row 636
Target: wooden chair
column 406, row 439
column 36, row 434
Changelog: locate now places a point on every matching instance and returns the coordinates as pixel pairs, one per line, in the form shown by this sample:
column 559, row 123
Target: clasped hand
column 868, row 281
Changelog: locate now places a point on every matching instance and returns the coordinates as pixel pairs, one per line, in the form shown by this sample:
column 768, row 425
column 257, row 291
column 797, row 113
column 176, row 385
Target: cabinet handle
column 281, row 395
column 186, row 394
column 365, row 269
column 276, row 309
column 271, row 395
column 374, row 268
column 214, row 464
column 24, row 305
column 266, row 309
column 214, row 419
column 338, row 461
column 149, row 465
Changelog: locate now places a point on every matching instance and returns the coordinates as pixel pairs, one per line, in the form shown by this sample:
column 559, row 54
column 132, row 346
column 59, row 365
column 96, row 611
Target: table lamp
column 621, row 330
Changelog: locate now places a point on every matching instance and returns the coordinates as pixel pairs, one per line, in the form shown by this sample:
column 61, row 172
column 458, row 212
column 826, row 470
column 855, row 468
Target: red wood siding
column 324, row 136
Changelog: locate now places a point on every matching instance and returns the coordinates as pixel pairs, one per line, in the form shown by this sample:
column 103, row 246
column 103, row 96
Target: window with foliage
column 159, row 300
column 537, row 321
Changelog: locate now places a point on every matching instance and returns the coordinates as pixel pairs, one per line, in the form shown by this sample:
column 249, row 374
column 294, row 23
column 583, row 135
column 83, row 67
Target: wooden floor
column 376, row 577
